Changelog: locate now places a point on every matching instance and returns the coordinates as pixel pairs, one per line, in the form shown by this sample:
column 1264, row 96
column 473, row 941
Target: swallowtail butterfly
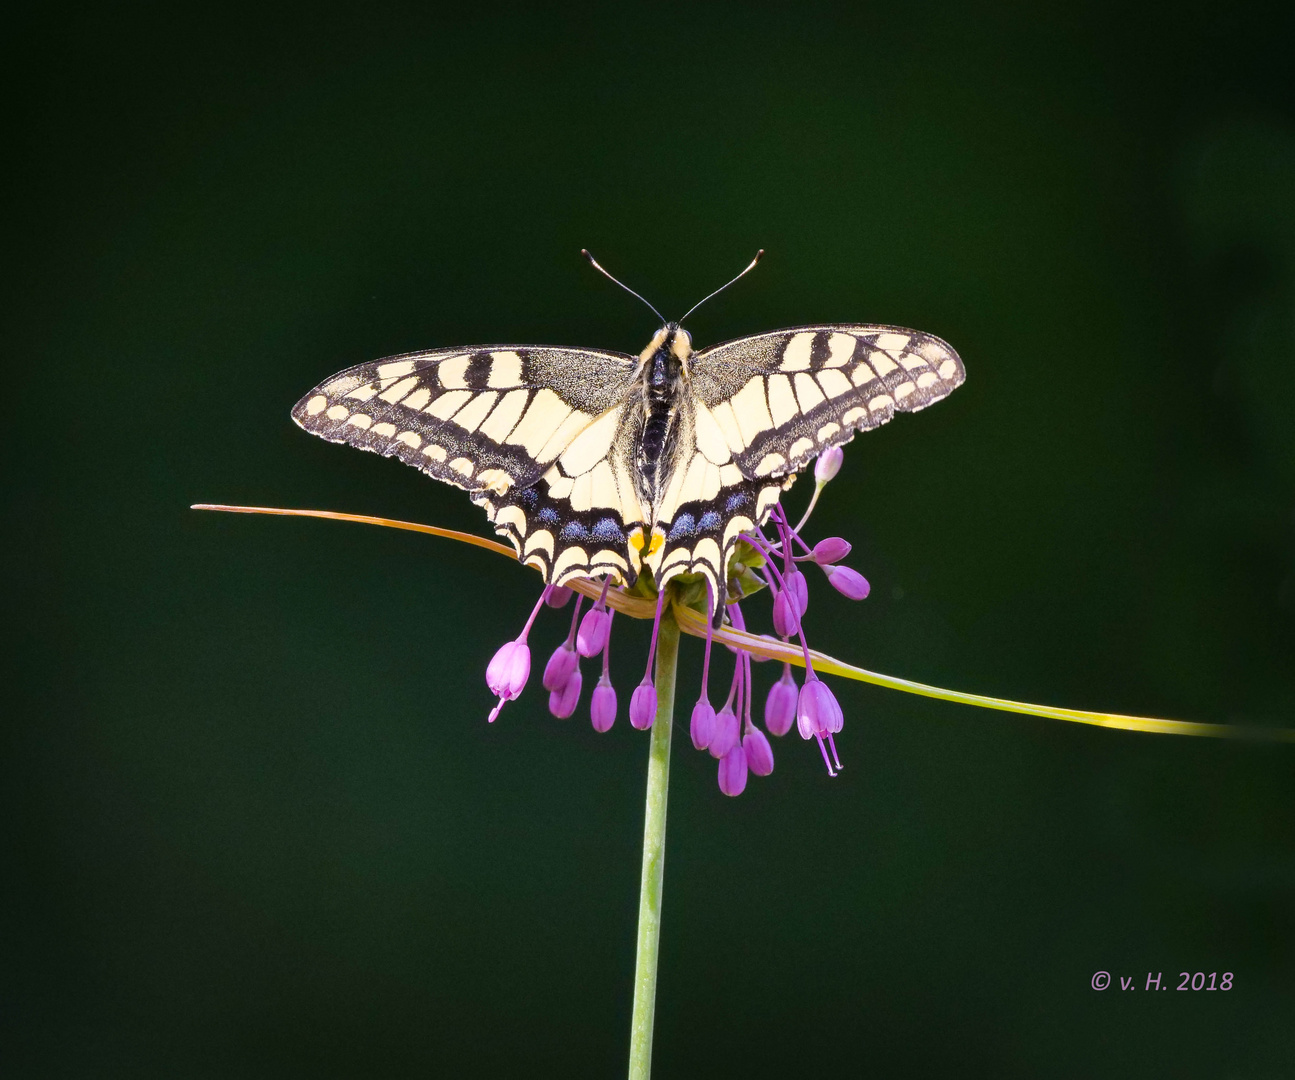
column 598, row 463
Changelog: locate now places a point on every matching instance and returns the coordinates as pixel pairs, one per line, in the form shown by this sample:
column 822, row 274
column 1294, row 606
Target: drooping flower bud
column 786, row 619
column 643, row 705
column 817, row 711
column 594, row 628
column 831, row 550
column 726, row 732
column 509, row 669
column 702, row 727
column 602, row 707
column 796, row 584
column 759, row 754
column 563, row 701
column 780, row 705
column 559, row 596
column 732, row 771
column 828, row 464
column 848, row 582
column 557, row 672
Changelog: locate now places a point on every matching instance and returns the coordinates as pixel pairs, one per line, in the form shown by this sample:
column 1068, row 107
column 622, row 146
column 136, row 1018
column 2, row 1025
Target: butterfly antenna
column 594, row 263
column 758, row 256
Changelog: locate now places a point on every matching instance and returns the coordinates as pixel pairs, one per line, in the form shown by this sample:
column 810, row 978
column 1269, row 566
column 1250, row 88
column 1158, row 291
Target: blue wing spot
column 547, row 515
column 608, row 532
column 573, row 530
column 684, row 525
column 710, row 521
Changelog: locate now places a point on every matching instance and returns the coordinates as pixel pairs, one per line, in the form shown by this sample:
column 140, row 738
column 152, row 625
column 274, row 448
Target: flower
column 828, row 464
column 730, row 735
column 602, row 708
column 759, row 754
column 780, row 705
column 732, row 771
column 701, row 728
column 563, row 701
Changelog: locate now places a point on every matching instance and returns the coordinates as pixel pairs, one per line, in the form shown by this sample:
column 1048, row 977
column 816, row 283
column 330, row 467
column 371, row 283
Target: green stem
column 649, row 935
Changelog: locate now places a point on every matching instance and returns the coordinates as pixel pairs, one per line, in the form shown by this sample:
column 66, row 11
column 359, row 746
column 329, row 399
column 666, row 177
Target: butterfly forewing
column 772, row 402
column 488, row 418
column 497, row 421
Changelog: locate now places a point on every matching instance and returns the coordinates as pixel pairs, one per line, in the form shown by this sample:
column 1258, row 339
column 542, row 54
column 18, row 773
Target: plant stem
column 649, row 932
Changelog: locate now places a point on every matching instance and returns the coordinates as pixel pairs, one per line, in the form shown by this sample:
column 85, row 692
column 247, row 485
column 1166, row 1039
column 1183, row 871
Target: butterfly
column 602, row 464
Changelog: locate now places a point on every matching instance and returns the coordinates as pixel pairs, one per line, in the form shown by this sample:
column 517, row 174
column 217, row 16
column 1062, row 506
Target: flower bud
column 848, row 582
column 732, row 771
column 786, row 619
column 509, row 669
column 828, row 464
column 817, row 711
column 795, row 583
column 759, row 754
column 559, row 596
column 594, row 628
column 831, row 550
column 780, row 705
column 561, row 664
column 563, row 701
column 726, row 732
column 702, row 728
column 643, row 705
column 602, row 708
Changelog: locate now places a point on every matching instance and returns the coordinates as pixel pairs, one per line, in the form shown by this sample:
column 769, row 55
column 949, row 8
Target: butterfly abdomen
column 660, row 406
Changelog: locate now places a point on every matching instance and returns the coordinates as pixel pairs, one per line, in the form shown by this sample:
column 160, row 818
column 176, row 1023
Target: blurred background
column 257, row 824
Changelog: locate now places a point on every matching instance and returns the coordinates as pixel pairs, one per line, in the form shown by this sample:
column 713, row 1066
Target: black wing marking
column 772, row 402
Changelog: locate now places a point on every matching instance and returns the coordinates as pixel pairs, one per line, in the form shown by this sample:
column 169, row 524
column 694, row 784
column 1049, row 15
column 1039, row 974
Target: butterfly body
column 604, row 464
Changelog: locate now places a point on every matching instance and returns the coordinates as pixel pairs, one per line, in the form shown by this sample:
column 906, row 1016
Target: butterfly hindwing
column 772, row 402
column 491, row 418
column 703, row 532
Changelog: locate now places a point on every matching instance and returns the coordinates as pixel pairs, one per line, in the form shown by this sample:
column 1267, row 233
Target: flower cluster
column 730, row 735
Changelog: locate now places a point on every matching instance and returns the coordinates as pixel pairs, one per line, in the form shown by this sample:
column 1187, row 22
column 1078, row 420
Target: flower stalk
column 654, row 820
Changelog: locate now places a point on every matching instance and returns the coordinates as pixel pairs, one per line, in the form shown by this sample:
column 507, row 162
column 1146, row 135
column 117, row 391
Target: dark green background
column 259, row 826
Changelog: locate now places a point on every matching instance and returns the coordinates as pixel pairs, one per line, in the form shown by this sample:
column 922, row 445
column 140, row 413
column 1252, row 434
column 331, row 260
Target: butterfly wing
column 762, row 407
column 496, row 421
column 775, row 401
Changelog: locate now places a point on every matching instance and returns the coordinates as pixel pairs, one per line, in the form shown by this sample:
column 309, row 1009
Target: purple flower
column 508, row 671
column 726, row 732
column 593, row 631
column 563, row 701
column 759, row 754
column 602, row 708
column 643, row 700
column 848, row 582
column 780, row 705
column 732, row 771
column 786, row 617
column 831, row 550
column 828, row 464
column 559, row 596
column 796, row 584
column 817, row 712
column 557, row 672
column 643, row 705
column 702, row 727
